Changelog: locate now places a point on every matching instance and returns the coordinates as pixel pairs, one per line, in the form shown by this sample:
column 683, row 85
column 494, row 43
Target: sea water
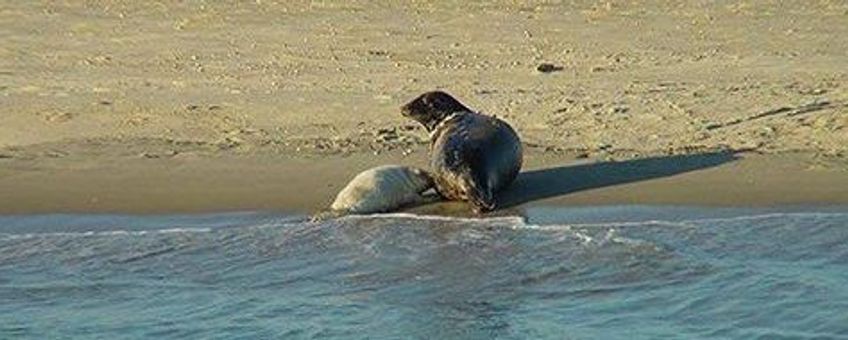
column 578, row 273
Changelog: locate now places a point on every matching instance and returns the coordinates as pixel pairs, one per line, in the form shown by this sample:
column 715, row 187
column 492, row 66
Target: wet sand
column 148, row 107
column 306, row 185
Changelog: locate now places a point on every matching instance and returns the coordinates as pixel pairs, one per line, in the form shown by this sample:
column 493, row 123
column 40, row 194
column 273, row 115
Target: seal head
column 432, row 108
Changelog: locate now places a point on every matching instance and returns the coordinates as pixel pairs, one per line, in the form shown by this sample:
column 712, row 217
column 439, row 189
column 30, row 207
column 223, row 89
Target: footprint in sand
column 56, row 116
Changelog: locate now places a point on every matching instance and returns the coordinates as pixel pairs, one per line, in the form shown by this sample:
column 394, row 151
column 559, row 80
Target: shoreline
column 306, row 184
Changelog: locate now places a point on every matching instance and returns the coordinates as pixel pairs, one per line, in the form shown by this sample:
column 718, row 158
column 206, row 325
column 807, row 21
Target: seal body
column 473, row 156
column 383, row 189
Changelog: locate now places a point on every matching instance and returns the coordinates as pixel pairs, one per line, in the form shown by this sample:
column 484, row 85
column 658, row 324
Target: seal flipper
column 474, row 181
column 477, row 190
column 481, row 198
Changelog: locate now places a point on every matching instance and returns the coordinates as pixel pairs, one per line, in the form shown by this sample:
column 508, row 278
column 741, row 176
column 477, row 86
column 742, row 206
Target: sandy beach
column 147, row 107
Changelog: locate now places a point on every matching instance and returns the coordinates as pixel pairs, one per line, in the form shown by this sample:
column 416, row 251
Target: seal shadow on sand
column 540, row 184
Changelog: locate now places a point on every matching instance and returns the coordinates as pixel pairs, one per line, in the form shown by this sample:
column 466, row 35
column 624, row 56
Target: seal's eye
column 442, row 103
column 411, row 109
column 437, row 100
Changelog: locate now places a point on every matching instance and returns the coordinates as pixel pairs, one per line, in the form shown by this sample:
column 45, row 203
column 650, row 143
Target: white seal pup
column 382, row 189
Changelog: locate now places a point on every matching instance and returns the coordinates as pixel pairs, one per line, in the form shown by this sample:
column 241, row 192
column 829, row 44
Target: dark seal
column 473, row 156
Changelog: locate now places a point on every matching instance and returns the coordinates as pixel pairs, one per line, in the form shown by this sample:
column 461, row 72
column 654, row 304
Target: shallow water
column 582, row 273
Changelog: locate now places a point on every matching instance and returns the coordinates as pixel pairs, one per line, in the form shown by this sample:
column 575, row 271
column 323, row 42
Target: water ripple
column 400, row 275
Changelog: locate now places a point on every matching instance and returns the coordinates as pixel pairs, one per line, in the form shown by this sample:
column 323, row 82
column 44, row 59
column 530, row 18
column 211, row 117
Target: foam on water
column 635, row 272
column 105, row 233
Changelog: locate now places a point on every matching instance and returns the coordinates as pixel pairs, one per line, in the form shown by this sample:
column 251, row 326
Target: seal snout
column 406, row 110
